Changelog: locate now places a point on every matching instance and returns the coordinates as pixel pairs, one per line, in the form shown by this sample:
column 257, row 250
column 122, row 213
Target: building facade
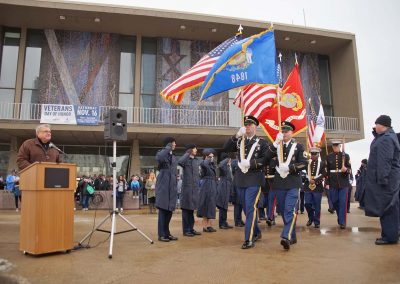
column 54, row 52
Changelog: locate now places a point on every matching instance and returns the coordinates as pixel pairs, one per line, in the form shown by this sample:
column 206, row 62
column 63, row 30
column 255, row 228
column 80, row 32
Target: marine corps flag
column 292, row 107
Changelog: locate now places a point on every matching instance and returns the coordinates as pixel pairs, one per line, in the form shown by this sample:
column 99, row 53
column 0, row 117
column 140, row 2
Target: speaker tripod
column 114, row 213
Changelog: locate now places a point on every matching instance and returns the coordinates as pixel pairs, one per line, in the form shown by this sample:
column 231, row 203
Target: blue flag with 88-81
column 251, row 60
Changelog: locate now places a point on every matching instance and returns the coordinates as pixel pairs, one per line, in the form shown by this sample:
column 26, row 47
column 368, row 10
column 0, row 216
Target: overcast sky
column 375, row 24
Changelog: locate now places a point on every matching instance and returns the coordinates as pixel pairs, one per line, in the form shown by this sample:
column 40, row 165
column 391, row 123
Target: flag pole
column 242, row 154
column 326, row 143
column 279, row 93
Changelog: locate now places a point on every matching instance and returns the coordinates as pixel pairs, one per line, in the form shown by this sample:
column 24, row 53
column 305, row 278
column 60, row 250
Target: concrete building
column 56, row 52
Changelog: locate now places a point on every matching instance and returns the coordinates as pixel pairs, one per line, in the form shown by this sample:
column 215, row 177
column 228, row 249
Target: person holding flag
column 292, row 159
column 252, row 153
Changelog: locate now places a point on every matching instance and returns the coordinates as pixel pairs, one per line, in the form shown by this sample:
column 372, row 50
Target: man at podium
column 39, row 149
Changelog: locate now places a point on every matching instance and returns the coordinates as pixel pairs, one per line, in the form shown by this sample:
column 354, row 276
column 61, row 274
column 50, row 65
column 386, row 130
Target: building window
column 8, row 70
column 148, row 73
column 325, row 84
column 33, row 55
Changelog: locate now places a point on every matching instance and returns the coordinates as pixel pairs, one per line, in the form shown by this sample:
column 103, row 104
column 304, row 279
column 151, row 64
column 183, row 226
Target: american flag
column 311, row 127
column 196, row 75
column 255, row 99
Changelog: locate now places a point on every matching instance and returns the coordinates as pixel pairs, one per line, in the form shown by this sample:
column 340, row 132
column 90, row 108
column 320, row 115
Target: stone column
column 135, row 159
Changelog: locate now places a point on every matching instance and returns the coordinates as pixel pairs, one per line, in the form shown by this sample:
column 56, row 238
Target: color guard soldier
column 250, row 176
column 287, row 181
column 313, row 187
column 337, row 181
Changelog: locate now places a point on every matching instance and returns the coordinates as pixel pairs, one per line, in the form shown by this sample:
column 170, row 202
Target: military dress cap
column 168, row 140
column 208, row 151
column 250, row 119
column 315, row 150
column 336, row 142
column 286, row 125
column 190, row 146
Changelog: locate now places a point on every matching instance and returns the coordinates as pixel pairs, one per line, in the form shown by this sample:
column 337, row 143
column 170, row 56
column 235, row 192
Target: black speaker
column 115, row 125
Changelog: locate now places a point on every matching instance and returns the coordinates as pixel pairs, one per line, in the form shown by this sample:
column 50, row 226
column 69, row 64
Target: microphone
column 52, row 145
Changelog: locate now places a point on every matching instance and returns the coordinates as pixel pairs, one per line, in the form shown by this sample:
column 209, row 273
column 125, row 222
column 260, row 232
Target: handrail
column 173, row 117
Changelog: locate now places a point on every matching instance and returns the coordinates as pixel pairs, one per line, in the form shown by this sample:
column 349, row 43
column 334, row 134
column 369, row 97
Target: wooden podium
column 47, row 207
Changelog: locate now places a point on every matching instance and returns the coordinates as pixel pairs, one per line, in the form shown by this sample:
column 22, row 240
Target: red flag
column 292, row 107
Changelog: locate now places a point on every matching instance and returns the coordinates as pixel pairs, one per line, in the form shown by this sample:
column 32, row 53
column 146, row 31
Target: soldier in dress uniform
column 338, row 181
column 291, row 161
column 269, row 181
column 236, row 197
column 313, row 187
column 224, row 190
column 190, row 189
column 252, row 156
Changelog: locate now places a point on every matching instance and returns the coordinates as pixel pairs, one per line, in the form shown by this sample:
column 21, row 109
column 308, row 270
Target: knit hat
column 384, row 120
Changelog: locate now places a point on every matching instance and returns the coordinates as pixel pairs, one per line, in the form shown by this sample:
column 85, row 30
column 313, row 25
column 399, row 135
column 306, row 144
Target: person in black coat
column 190, row 189
column 361, row 178
column 224, row 190
column 166, row 193
column 383, row 181
column 208, row 191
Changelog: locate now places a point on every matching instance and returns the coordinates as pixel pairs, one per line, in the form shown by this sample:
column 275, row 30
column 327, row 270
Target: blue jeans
column 288, row 204
column 250, row 199
column 86, row 199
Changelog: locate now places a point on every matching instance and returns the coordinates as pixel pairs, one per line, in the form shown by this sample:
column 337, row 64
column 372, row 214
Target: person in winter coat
column 190, row 189
column 383, row 181
column 224, row 190
column 361, row 178
column 166, row 193
column 151, row 191
column 208, row 191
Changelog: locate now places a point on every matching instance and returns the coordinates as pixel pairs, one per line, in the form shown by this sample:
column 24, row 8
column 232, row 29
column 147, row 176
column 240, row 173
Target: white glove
column 241, row 132
column 278, row 139
column 245, row 164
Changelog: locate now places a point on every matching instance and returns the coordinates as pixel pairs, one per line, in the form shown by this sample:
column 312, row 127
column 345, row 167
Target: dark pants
column 264, row 205
column 223, row 217
column 120, row 200
column 271, row 205
column 16, row 200
column 86, row 199
column 349, row 198
column 312, row 202
column 329, row 196
column 390, row 223
column 164, row 218
column 288, row 204
column 301, row 201
column 250, row 198
column 339, row 201
column 237, row 212
column 187, row 220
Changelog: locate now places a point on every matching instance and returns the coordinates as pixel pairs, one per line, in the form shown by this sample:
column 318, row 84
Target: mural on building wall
column 79, row 68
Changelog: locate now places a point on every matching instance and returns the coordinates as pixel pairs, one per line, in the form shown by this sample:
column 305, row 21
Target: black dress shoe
column 239, row 225
column 380, row 241
column 172, row 238
column 342, row 227
column 257, row 237
column 263, row 218
column 223, row 227
column 294, row 241
column 211, row 229
column 316, row 226
column 189, row 234
column 331, row 211
column 247, row 245
column 194, row 232
column 309, row 223
column 229, row 226
column 163, row 239
column 269, row 223
column 285, row 243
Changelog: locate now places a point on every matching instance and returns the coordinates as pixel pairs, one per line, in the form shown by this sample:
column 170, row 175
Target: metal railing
column 172, row 117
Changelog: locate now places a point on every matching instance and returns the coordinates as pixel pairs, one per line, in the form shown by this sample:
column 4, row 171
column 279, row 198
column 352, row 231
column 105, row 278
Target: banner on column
column 69, row 114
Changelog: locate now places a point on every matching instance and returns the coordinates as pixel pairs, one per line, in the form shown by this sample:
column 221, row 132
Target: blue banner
column 252, row 60
column 87, row 115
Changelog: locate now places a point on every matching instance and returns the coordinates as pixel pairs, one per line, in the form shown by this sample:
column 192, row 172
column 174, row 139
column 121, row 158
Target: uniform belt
column 270, row 176
column 335, row 171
